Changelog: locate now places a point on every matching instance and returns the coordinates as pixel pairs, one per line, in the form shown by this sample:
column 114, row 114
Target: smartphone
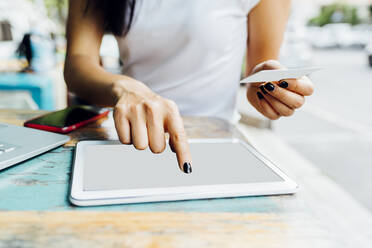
column 68, row 119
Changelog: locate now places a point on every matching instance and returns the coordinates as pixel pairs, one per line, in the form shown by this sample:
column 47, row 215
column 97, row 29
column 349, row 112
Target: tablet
column 107, row 172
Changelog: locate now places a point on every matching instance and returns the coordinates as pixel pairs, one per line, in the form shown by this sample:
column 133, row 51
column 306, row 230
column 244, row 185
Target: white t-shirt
column 189, row 51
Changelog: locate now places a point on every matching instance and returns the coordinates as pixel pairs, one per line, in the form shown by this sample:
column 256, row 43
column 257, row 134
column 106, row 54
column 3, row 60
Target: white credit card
column 276, row 75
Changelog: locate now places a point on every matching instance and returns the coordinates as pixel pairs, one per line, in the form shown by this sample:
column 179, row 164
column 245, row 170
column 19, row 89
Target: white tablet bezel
column 88, row 198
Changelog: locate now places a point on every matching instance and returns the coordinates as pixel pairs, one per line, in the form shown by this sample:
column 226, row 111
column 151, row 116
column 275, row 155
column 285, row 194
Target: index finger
column 178, row 139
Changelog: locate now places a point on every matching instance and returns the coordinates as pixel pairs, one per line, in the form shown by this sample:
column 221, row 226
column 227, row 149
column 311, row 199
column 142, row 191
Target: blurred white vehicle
column 363, row 33
column 369, row 53
column 320, row 37
column 340, row 35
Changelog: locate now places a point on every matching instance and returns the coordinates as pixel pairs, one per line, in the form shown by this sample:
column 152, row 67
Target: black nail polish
column 260, row 96
column 269, row 87
column 283, row 84
column 187, row 168
column 262, row 88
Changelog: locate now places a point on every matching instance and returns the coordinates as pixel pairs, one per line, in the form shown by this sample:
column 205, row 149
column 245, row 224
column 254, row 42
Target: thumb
column 267, row 65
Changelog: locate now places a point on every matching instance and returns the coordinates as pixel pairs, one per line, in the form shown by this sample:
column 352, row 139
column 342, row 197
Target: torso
column 189, row 51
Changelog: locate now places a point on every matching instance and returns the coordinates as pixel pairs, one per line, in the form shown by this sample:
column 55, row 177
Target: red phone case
column 68, row 129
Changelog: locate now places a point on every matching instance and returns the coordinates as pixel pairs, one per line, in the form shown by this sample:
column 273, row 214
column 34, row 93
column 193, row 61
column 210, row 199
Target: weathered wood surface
column 34, row 211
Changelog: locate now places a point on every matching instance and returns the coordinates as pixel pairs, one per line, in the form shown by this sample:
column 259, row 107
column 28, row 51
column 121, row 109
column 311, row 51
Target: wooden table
column 35, row 212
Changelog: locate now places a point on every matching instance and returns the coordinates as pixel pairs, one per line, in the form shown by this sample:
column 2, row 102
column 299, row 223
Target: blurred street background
column 333, row 130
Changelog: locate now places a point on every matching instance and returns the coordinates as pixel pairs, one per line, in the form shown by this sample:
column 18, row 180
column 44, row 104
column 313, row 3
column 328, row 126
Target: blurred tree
column 57, row 9
column 336, row 13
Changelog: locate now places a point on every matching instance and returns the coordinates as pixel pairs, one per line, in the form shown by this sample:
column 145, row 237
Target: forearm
column 266, row 27
column 88, row 80
column 260, row 53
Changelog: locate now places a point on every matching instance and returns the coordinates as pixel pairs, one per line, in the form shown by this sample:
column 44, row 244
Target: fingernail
column 269, row 87
column 262, row 88
column 283, row 84
column 187, row 168
column 260, row 96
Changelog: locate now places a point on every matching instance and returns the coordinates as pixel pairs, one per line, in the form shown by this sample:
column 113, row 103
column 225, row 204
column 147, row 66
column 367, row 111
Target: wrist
column 126, row 87
column 116, row 90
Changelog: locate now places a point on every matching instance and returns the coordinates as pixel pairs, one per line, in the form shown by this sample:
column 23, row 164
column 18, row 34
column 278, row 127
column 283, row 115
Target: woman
column 179, row 57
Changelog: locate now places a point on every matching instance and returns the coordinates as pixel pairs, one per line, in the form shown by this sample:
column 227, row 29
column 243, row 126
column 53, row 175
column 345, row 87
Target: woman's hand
column 142, row 118
column 276, row 99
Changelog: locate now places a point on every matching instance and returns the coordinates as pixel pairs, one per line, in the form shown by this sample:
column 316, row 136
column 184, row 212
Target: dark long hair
column 117, row 14
column 24, row 48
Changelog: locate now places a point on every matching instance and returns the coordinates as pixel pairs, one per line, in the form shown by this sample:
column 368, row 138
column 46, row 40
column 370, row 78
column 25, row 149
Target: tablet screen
column 119, row 167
